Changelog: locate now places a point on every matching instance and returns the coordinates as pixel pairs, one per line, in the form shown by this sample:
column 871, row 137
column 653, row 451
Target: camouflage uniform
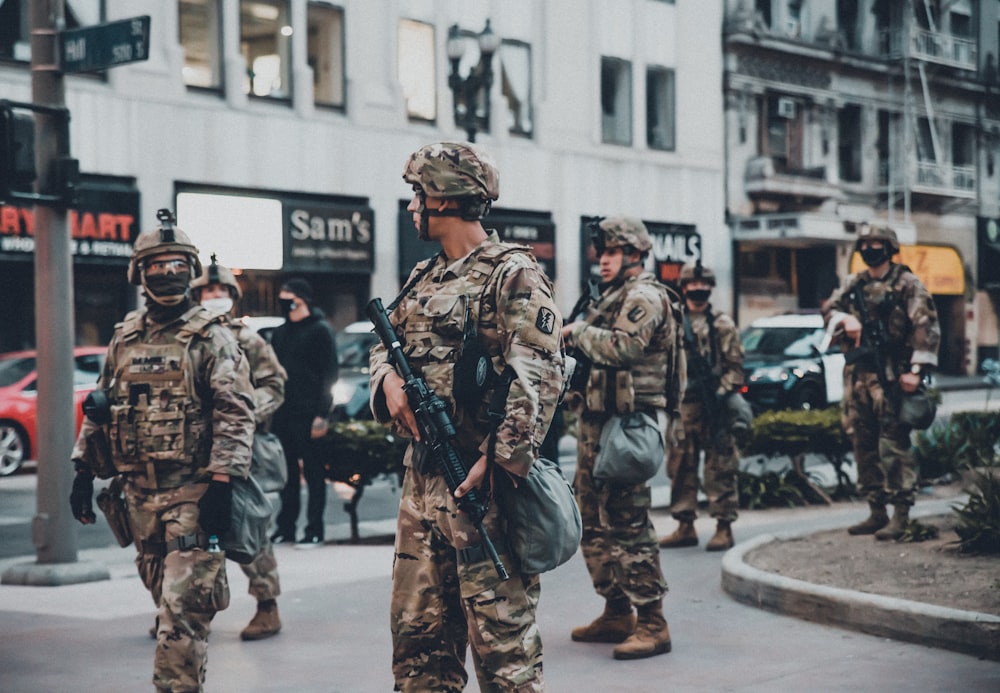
column 882, row 449
column 445, row 597
column 180, row 411
column 697, row 433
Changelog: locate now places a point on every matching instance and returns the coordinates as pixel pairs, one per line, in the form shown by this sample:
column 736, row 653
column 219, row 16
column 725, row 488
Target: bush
column 359, row 451
column 794, row 431
column 768, row 490
column 967, row 441
column 979, row 531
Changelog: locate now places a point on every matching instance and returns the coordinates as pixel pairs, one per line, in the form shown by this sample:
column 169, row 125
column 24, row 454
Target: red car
column 19, row 398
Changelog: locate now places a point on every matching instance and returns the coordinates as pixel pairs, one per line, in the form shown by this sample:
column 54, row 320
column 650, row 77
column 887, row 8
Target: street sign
column 98, row 47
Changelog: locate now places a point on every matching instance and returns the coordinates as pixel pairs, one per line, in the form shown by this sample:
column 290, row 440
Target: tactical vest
column 158, row 425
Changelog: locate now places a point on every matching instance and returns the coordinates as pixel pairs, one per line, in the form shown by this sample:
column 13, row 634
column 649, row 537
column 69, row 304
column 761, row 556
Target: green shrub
column 794, row 431
column 768, row 490
column 982, row 430
column 979, row 531
column 916, row 531
column 941, row 449
column 356, row 452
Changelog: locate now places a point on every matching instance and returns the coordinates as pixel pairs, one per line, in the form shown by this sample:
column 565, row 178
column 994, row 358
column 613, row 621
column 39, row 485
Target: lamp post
column 480, row 78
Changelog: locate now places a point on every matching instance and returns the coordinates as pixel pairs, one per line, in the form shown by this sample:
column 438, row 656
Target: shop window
column 782, row 132
column 765, row 270
column 660, row 108
column 245, row 231
column 416, row 69
column 325, row 53
column 515, row 83
column 616, row 101
column 200, row 34
column 266, row 44
column 849, row 142
column 15, row 24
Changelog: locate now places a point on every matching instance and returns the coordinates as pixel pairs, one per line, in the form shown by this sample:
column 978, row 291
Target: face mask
column 697, row 295
column 167, row 289
column 873, row 257
column 287, row 305
column 218, row 305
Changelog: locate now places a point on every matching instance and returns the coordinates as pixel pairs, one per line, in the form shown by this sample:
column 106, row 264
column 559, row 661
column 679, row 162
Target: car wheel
column 13, row 447
column 808, row 396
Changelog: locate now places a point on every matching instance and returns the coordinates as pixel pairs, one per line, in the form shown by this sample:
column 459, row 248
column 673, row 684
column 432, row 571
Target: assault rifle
column 591, row 294
column 874, row 341
column 701, row 376
column 437, row 430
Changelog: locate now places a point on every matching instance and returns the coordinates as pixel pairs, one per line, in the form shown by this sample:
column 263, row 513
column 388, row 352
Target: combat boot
column 614, row 625
column 264, row 623
column 684, row 535
column 723, row 537
column 651, row 636
column 876, row 520
column 896, row 526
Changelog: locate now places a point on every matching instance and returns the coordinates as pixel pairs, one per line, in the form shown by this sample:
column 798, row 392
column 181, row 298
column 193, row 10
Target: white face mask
column 218, row 305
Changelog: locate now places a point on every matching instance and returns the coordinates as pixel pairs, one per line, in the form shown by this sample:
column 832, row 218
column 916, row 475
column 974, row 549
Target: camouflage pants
column 721, row 465
column 441, row 603
column 188, row 587
column 886, row 468
column 263, row 574
column 619, row 542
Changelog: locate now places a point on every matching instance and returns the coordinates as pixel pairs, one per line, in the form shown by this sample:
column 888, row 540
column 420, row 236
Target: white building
column 300, row 115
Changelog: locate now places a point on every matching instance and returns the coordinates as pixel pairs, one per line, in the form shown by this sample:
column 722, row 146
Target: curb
column 968, row 632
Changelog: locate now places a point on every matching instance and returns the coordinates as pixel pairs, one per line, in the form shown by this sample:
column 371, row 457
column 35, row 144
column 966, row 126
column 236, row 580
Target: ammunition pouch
column 112, row 504
column 97, row 453
column 581, row 373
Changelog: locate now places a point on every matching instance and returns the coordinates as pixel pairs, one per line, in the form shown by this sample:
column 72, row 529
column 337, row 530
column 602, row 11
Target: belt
column 185, row 542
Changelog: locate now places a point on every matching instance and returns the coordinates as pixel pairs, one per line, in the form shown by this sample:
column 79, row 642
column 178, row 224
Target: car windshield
column 13, row 369
column 782, row 341
column 352, row 348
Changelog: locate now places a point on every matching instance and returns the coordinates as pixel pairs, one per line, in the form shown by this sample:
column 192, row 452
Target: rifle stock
column 437, row 430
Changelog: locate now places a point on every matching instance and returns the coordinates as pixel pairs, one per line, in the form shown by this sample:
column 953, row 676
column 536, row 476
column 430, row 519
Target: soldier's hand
column 909, row 382
column 215, row 508
column 398, row 405
column 852, row 328
column 474, row 478
column 81, row 498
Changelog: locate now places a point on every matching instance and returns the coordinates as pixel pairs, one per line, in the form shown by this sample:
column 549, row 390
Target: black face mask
column 873, row 257
column 166, row 285
column 287, row 305
column 698, row 295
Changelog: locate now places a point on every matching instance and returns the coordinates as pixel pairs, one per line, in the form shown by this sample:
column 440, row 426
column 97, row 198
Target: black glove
column 81, row 499
column 215, row 508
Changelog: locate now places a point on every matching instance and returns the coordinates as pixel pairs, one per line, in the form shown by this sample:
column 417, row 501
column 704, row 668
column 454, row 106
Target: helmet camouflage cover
column 453, row 169
column 217, row 274
column 163, row 239
column 616, row 232
column 695, row 271
column 878, row 231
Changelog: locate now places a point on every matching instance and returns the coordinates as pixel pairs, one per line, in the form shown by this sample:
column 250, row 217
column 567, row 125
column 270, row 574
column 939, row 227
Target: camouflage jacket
column 725, row 357
column 631, row 330
column 903, row 307
column 266, row 373
column 519, row 325
column 176, row 440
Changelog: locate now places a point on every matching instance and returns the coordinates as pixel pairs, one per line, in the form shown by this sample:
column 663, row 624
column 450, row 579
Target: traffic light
column 17, row 151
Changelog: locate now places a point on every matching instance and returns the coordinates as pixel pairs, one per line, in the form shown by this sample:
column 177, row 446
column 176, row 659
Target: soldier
column 218, row 290
column 181, row 424
column 477, row 292
column 715, row 370
column 889, row 327
column 628, row 330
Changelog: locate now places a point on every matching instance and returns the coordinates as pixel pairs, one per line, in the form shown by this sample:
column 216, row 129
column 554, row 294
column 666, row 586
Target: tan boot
column 723, row 537
column 896, row 526
column 264, row 623
column 876, row 520
column 614, row 625
column 651, row 636
column 684, row 535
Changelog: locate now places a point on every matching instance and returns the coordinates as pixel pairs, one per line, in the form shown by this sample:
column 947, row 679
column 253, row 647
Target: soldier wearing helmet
column 887, row 324
column 176, row 382
column 217, row 289
column 714, row 356
column 483, row 297
column 628, row 336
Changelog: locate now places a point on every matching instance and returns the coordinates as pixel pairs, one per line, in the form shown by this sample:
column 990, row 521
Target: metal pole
column 53, row 528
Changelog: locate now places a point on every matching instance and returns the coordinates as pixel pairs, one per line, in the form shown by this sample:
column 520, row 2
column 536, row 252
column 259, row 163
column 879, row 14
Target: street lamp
column 480, row 78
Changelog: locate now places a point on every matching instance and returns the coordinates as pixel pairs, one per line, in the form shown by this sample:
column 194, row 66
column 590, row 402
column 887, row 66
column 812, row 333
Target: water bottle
column 213, row 544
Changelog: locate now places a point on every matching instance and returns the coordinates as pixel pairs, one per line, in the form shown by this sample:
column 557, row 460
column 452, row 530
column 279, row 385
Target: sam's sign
column 328, row 237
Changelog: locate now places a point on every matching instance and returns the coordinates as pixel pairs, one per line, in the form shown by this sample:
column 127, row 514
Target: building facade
column 840, row 112
column 278, row 130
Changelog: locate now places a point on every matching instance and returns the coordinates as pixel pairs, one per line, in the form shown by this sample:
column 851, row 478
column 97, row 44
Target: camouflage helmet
column 880, row 231
column 217, row 274
column 614, row 232
column 695, row 271
column 163, row 239
column 453, row 169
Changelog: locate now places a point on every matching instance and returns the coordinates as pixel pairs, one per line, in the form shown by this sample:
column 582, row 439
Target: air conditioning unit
column 786, row 108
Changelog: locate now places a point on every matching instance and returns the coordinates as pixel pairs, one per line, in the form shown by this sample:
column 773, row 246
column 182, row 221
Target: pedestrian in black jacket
column 305, row 347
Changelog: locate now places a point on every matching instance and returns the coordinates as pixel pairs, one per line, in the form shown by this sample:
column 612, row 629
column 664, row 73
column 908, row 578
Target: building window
column 515, row 83
column 763, row 11
column 325, row 53
column 15, row 24
column 849, row 143
column 266, row 44
column 781, row 136
column 660, row 108
column 416, row 69
column 200, row 34
column 616, row 101
column 925, row 141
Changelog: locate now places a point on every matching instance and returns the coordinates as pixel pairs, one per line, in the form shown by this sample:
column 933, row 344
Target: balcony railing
column 932, row 178
column 932, row 46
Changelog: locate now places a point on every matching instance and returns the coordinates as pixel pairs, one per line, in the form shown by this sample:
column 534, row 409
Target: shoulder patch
column 636, row 314
column 545, row 321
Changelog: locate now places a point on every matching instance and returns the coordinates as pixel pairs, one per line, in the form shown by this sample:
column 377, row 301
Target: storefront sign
column 328, row 237
column 938, row 267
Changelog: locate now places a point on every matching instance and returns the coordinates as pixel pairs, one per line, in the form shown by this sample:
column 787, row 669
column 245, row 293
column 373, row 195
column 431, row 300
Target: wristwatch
column 916, row 369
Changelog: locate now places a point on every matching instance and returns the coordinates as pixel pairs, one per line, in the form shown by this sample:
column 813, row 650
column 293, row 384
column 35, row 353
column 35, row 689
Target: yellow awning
column 939, row 267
